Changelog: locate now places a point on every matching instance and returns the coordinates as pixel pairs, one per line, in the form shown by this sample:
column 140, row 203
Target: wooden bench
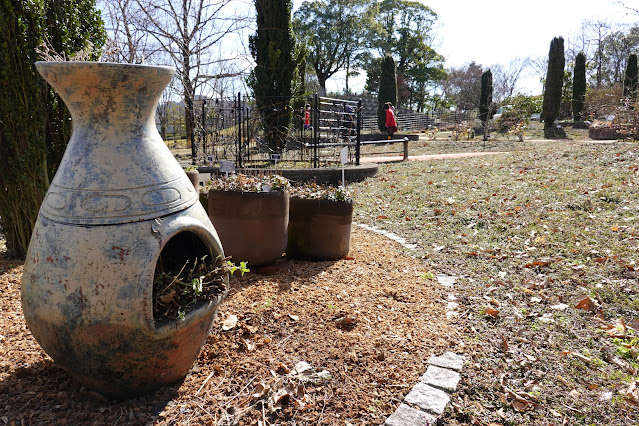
column 404, row 141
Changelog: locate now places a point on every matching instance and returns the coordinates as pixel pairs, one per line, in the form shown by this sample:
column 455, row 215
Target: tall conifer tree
column 485, row 96
column 630, row 78
column 273, row 48
column 553, row 86
column 387, row 90
column 35, row 125
column 485, row 99
column 579, row 87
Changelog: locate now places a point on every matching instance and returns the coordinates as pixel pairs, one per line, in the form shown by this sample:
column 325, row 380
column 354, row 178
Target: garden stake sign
column 125, row 271
column 343, row 160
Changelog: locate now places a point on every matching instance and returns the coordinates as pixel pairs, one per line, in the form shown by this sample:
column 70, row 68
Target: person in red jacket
column 307, row 117
column 391, row 123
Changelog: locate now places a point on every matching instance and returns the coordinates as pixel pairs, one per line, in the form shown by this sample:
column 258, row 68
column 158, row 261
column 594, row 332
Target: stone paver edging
column 428, row 398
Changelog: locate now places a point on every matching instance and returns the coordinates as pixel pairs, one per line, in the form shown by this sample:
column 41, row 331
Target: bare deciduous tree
column 595, row 33
column 606, row 46
column 188, row 31
column 632, row 9
column 128, row 39
column 163, row 109
column 539, row 65
column 463, row 86
column 506, row 78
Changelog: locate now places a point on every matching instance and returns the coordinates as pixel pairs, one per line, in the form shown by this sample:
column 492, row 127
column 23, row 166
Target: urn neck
column 103, row 93
column 116, row 167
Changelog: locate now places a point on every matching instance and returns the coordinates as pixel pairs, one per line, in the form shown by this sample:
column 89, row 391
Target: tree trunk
column 188, row 108
column 322, row 84
column 348, row 69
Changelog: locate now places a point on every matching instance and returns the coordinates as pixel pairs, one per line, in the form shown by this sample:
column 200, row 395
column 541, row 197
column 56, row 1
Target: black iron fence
column 230, row 129
column 412, row 121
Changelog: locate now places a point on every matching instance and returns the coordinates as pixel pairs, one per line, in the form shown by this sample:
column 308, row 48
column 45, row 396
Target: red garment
column 390, row 118
column 307, row 118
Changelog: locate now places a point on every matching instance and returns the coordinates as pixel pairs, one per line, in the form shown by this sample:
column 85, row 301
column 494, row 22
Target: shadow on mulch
column 43, row 393
column 282, row 272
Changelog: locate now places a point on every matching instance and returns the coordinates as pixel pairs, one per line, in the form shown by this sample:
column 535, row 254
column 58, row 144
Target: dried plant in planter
column 250, row 214
column 180, row 288
column 249, row 183
column 48, row 53
column 314, row 191
column 319, row 225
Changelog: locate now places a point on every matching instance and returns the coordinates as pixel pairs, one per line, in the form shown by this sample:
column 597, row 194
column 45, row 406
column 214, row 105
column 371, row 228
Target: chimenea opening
column 187, row 275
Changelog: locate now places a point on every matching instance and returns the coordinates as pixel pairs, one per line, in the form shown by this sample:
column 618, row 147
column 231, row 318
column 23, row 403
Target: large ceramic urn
column 118, row 204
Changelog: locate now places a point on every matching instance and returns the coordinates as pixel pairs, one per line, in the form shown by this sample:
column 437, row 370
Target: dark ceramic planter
column 251, row 225
column 319, row 229
column 194, row 177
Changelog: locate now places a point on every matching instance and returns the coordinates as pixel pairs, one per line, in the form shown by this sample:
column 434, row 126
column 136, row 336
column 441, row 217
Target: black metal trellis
column 336, row 123
column 229, row 129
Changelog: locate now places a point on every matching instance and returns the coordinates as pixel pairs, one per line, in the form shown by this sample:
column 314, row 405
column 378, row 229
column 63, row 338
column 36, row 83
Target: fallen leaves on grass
column 494, row 313
column 549, row 233
column 586, row 303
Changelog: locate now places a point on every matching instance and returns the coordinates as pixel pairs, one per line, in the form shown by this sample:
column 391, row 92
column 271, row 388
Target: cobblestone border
column 430, row 396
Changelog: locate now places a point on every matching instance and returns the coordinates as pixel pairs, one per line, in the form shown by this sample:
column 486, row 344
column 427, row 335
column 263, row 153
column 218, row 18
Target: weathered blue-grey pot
column 118, row 198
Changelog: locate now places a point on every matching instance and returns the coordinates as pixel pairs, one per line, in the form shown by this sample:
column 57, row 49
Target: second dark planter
column 319, row 229
column 194, row 177
column 252, row 226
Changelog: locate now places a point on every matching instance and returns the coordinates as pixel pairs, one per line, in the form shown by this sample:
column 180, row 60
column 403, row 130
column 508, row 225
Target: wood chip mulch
column 311, row 343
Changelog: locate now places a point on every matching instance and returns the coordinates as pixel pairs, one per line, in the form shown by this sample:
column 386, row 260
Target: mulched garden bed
column 329, row 343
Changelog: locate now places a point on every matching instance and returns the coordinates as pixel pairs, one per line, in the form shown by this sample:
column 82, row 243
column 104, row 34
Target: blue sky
column 514, row 28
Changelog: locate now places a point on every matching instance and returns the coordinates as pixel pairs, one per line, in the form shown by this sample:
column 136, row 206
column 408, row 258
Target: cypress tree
column 300, row 95
column 485, row 96
column 387, row 90
column 485, row 100
column 630, row 78
column 273, row 48
column 579, row 87
column 553, row 86
column 35, row 125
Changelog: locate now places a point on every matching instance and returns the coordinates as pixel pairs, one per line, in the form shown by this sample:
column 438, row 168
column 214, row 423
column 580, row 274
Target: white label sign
column 344, row 155
column 227, row 166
